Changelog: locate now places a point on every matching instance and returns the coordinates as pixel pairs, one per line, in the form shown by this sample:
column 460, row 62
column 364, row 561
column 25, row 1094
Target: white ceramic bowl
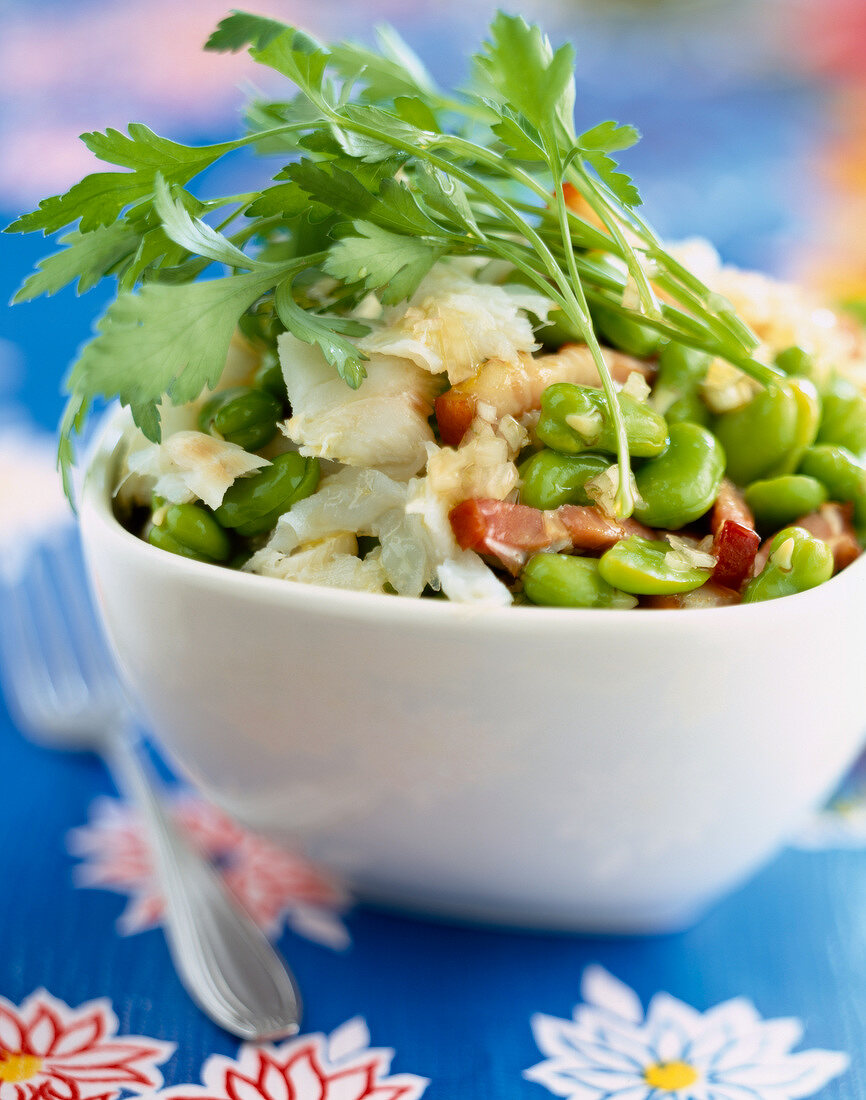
column 594, row 770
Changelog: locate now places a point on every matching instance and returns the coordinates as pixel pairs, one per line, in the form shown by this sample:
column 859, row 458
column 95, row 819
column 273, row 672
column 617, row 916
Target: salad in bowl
column 439, row 365
column 441, row 353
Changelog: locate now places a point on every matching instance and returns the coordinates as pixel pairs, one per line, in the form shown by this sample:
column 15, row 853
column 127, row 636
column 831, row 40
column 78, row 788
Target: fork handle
column 222, row 957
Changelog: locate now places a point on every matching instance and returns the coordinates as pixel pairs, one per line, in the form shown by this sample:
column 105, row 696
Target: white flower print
column 610, row 1050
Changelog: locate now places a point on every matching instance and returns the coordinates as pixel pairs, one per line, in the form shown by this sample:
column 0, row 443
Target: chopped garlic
column 726, row 387
column 636, row 386
column 587, row 425
column 603, row 488
column 687, row 554
column 631, row 294
column 783, row 555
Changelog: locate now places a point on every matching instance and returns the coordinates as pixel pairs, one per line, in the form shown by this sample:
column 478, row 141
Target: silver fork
column 62, row 688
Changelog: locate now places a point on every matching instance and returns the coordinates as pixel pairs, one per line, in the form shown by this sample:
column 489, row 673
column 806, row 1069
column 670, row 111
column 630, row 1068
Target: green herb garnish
column 381, row 174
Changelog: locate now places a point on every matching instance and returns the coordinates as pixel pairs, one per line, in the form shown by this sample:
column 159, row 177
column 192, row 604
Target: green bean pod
column 191, row 531
column 562, row 580
column 683, row 482
column 776, row 501
column 551, row 479
column 647, row 567
column 798, row 561
column 576, row 418
column 242, row 415
column 252, row 505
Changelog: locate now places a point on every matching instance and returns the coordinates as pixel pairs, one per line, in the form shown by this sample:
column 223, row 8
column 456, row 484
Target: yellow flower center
column 670, row 1076
column 18, row 1067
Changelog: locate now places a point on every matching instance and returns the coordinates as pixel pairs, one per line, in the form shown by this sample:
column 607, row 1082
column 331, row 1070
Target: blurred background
column 753, row 114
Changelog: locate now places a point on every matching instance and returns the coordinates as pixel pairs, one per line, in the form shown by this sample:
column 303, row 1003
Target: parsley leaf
column 325, row 332
column 520, row 70
column 165, row 341
column 609, row 137
column 87, row 257
column 241, row 29
column 193, row 234
column 608, row 171
column 383, row 261
column 99, row 199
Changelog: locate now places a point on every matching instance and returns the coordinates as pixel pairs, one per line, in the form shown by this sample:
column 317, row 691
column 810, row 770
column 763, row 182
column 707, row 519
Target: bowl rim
column 96, row 512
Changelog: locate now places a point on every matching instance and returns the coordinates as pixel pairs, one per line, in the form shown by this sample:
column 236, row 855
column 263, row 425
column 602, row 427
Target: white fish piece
column 406, row 554
column 480, row 467
column 362, row 502
column 190, row 465
column 465, row 578
column 454, row 323
column 351, row 500
column 136, row 485
column 381, row 424
column 332, row 562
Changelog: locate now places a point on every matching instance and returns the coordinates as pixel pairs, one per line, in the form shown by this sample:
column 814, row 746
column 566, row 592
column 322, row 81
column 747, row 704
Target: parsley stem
column 609, row 215
column 624, row 496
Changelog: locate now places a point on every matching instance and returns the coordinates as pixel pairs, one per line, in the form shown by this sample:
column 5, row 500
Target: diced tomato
column 455, row 411
column 734, row 547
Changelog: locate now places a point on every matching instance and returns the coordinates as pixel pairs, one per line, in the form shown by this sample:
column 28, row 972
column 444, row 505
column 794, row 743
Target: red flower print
column 313, row 1067
column 49, row 1051
column 275, row 886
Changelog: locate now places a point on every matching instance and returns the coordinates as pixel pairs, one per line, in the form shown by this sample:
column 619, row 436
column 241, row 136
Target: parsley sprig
column 381, row 174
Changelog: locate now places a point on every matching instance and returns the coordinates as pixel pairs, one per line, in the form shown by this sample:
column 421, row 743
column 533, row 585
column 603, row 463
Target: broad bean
column 562, row 580
column 550, row 478
column 682, row 483
column 767, row 437
column 191, row 531
column 242, row 415
column 624, row 333
column 647, row 567
column 843, row 416
column 675, row 393
column 576, row 418
column 776, row 501
column 252, row 505
column 798, row 561
column 797, row 362
column 269, row 377
column 841, row 473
